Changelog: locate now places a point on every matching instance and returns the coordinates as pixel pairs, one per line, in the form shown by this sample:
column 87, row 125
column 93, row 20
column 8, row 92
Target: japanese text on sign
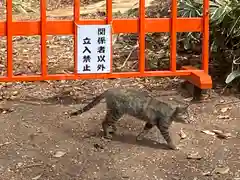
column 94, row 53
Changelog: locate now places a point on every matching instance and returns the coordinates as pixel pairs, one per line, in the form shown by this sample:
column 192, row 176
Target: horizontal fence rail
column 141, row 25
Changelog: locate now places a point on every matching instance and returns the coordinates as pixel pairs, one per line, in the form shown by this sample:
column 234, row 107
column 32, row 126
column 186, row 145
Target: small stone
column 20, row 164
column 14, row 93
column 4, row 112
column 194, row 156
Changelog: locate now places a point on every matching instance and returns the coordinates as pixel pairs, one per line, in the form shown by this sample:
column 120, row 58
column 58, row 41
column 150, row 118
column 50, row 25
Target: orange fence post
column 43, row 38
column 9, row 40
column 205, row 44
column 141, row 34
column 173, row 46
column 76, row 19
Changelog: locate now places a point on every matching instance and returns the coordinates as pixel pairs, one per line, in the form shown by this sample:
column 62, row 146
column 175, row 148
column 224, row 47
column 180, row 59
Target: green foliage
column 235, row 72
column 224, row 31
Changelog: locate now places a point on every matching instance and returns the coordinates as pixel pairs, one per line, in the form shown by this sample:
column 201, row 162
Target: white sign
column 93, row 49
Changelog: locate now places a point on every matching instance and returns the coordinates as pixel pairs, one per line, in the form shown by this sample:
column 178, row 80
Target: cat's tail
column 94, row 102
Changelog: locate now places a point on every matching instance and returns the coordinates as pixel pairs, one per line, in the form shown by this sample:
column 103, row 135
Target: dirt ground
column 39, row 141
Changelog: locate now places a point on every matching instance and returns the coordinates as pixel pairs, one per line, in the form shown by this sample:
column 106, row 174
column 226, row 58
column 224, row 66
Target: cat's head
column 181, row 114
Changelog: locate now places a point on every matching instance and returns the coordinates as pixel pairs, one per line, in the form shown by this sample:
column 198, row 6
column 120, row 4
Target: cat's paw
column 108, row 136
column 173, row 147
column 139, row 138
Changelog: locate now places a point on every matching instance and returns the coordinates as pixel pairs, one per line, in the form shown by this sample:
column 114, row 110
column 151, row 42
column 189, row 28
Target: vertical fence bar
column 142, row 36
column 76, row 19
column 205, row 44
column 43, row 7
column 9, row 40
column 109, row 11
column 109, row 21
column 173, row 46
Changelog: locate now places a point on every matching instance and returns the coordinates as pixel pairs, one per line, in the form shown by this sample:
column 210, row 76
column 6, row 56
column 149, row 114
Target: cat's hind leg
column 148, row 126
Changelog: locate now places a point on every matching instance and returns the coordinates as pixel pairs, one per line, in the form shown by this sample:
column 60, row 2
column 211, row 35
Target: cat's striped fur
column 140, row 105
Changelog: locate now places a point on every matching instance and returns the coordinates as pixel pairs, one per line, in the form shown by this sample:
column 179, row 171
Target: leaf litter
column 59, row 154
column 37, row 177
column 217, row 170
column 220, row 134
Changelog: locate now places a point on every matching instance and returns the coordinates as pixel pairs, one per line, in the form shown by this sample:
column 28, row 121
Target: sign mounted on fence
column 93, row 49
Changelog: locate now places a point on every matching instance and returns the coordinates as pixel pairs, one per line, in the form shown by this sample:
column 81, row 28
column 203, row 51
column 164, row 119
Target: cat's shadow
column 131, row 139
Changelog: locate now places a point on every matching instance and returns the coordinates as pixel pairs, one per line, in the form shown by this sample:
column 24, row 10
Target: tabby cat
column 141, row 105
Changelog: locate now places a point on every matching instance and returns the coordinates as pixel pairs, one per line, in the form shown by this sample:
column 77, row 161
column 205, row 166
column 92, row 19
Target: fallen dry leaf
column 221, row 170
column 223, row 110
column 182, row 134
column 37, row 177
column 208, row 132
column 205, row 97
column 195, row 155
column 221, row 134
column 59, row 154
column 217, row 131
column 97, row 146
column 207, row 173
column 223, row 117
column 188, row 99
column 6, row 110
column 3, row 144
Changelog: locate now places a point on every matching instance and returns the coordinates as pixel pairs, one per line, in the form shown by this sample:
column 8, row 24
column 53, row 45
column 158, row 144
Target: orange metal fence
column 141, row 25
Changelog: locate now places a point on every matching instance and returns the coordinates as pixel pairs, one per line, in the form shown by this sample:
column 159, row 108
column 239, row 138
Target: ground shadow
column 64, row 98
column 128, row 138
